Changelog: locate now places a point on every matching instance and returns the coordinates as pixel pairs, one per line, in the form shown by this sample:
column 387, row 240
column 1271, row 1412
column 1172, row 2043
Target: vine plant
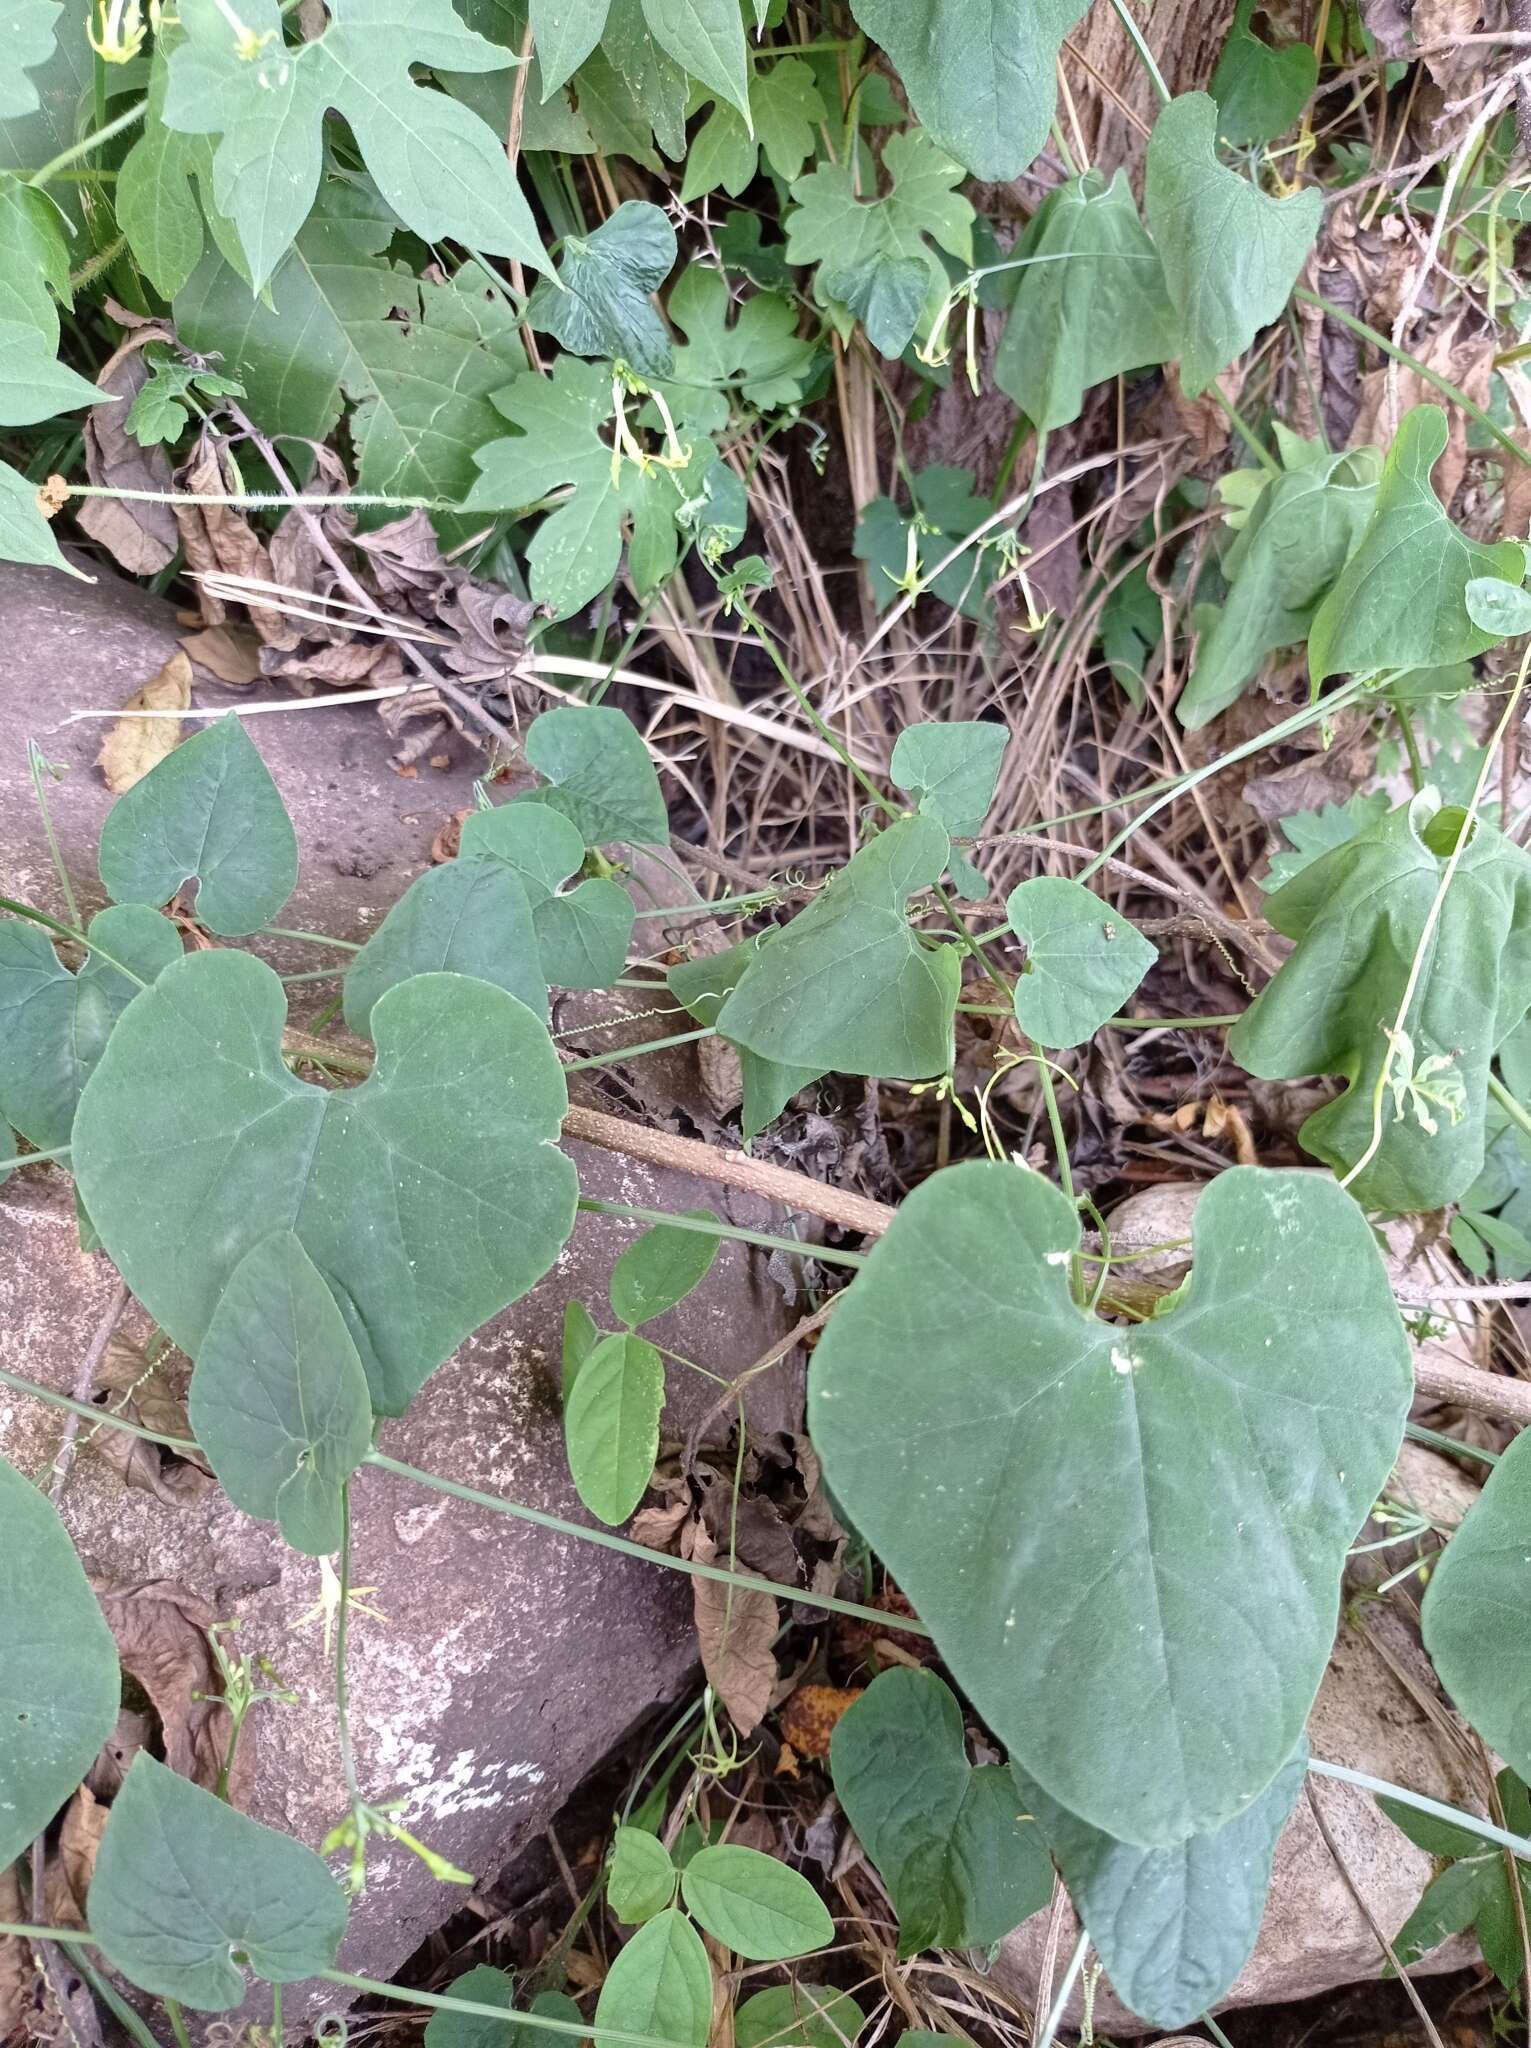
column 1124, row 1532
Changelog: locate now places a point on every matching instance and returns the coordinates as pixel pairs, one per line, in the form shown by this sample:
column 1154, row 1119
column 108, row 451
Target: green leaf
column 59, row 1684
column 875, row 256
column 1092, row 303
column 1259, row 91
column 566, row 31
column 54, row 1025
column 980, row 74
column 485, row 1985
column 441, row 169
column 611, row 1425
column 1474, row 1892
column 163, row 408
column 605, row 307
column 759, row 361
column 157, row 207
column 599, row 775
column 25, row 536
column 30, row 27
column 1358, row 915
column 186, row 1892
column 706, row 39
column 1231, row 253
column 952, row 769
column 430, row 1197
column 582, row 935
column 660, row 1268
column 701, row 987
column 279, row 1399
column 659, row 89
column 788, row 111
column 755, row 1905
column 962, row 1863
column 1053, row 1493
column 723, row 153
column 466, row 917
column 1083, row 960
column 580, row 1337
column 848, row 987
column 1503, row 609
column 208, row 811
column 1287, row 554
column 947, row 510
column 660, row 1986
column 33, row 383
column 805, row 2015
column 1131, row 629
column 641, row 1881
column 1174, row 1926
column 1314, row 833
column 34, row 259
column 1476, row 1610
column 1400, row 601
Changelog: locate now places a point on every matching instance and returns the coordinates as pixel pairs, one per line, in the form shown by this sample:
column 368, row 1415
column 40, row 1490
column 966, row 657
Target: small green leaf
column 485, row 1985
column 1497, row 607
column 659, row 89
column 757, row 1906
column 1173, row 1927
column 980, row 74
column 660, row 1986
column 155, row 203
column 1231, row 253
column 946, row 510
column 848, row 987
column 208, row 811
column 952, row 770
column 961, row 1860
column 580, row 1337
column 1259, row 91
column 1092, row 303
column 605, row 307
column 1474, row 1891
column 611, row 1425
column 723, row 153
column 582, row 934
column 1052, row 1492
column 566, row 31
column 465, row 917
column 706, row 39
column 1477, row 1611
column 599, row 773
column 641, row 1881
column 1400, row 601
column 788, row 111
column 759, row 360
column 1131, row 629
column 186, row 1892
column 806, row 2015
column 1314, row 833
column 1083, row 960
column 660, row 1268
column 279, row 1399
column 25, row 536
column 60, row 1688
column 701, row 987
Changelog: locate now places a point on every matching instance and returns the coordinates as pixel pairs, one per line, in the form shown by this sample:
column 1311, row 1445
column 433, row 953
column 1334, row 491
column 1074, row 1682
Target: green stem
column 177, row 2022
column 1054, row 2021
column 31, row 1158
column 825, row 731
column 1170, row 1023
column 1512, row 1109
column 440, row 2002
column 1438, row 1442
column 89, row 1414
column 1145, row 54
column 1410, row 747
column 1055, row 1124
column 634, row 1052
column 90, row 144
column 281, row 931
column 342, row 1633
column 605, row 1540
column 68, row 931
column 36, row 764
column 825, row 1253
column 1236, row 420
column 260, row 500
column 1485, row 1830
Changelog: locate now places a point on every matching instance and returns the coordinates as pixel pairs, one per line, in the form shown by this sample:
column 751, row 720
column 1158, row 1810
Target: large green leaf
column 30, row 27
column 54, row 1025
column 659, row 1986
column 1083, row 960
column 1231, row 253
column 34, row 258
column 466, row 917
column 1400, row 601
column 760, row 360
column 848, row 987
column 604, row 306
column 441, row 169
column 706, row 39
column 164, row 189
column 755, row 1904
column 279, row 1399
column 34, row 384
column 183, row 1885
column 582, row 933
column 611, row 1425
column 1092, row 303
column 598, row 775
column 1358, row 915
column 59, row 1683
column 429, row 1197
column 1259, row 91
column 1107, row 1528
column 1174, row 1926
column 980, row 74
column 1289, row 551
column 566, row 31
column 210, row 812
column 701, row 987
column 1477, row 1611
column 962, row 1863
column 878, row 257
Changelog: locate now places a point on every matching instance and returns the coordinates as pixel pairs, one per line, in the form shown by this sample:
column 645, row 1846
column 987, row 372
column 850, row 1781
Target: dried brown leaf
column 657, row 1528
column 735, row 1631
column 161, row 1631
column 72, row 1862
column 220, row 538
column 134, row 1731
column 808, row 1719
column 1465, row 358
column 135, row 745
column 18, row 1970
column 140, row 533
column 227, row 652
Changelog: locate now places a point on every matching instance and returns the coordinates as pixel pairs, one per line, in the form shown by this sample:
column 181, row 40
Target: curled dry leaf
column 162, row 1640
column 135, row 745
column 140, row 533
column 17, row 1969
column 73, row 1860
column 134, row 1731
column 1454, row 351
column 735, row 1631
column 153, row 1396
column 228, row 653
column 219, row 538
column 808, row 1719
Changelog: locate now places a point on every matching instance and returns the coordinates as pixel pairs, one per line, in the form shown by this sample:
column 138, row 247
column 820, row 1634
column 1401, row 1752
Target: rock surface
column 510, row 1659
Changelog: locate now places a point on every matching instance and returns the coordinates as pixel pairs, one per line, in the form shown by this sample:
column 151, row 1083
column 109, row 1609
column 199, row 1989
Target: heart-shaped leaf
column 951, row 770
column 701, row 987
column 1083, row 960
column 54, row 1025
column 599, row 773
column 755, row 1904
column 1477, row 1611
column 641, row 1881
column 1108, row 1527
column 1260, row 91
column 661, row 1268
column 279, row 1399
column 605, row 307
column 808, row 2015
column 466, row 917
column 209, row 810
column 60, row 1687
column 429, row 1197
column 848, row 987
column 611, row 1425
column 582, row 934
column 961, row 1862
column 1173, row 1927
column 186, row 1892
column 660, row 1986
